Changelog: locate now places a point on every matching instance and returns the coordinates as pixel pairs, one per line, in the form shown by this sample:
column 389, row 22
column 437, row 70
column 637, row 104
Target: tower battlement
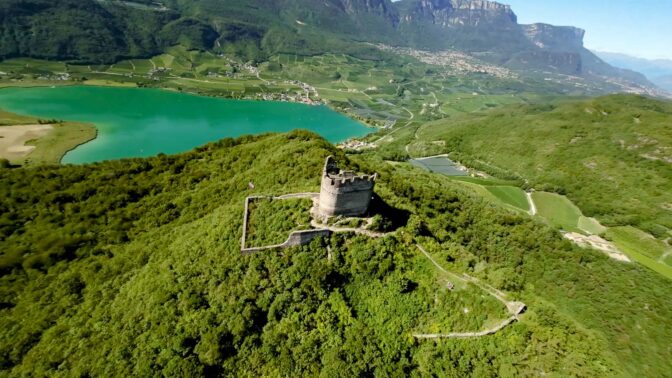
column 344, row 192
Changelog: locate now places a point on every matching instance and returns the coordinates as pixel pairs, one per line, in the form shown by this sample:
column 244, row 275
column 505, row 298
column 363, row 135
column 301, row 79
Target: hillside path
column 361, row 231
column 530, row 200
column 514, row 308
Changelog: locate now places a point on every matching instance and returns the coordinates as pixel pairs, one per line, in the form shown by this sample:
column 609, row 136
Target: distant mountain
column 490, row 30
column 664, row 82
column 658, row 71
column 103, row 31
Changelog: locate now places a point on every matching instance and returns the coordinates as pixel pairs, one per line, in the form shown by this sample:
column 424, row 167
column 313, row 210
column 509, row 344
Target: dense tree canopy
column 133, row 268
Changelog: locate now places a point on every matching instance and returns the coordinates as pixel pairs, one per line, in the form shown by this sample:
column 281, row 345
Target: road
column 410, row 120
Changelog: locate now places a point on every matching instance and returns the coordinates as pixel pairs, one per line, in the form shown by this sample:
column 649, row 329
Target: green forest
column 89, row 31
column 133, row 268
column 272, row 220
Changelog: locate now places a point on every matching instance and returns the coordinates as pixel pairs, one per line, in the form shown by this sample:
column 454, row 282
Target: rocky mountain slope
column 107, row 30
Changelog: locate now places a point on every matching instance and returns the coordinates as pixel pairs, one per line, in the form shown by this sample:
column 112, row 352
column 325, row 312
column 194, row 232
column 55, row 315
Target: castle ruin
column 344, row 193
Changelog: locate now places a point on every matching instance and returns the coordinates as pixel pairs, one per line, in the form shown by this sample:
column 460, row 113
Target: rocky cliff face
column 468, row 25
column 569, row 63
column 482, row 5
column 380, row 7
column 555, row 38
column 455, row 13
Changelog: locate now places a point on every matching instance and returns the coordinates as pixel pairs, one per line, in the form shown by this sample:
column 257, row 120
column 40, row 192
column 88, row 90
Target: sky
column 641, row 28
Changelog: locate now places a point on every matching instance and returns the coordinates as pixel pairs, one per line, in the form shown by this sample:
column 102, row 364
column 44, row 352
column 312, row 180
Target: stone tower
column 343, row 192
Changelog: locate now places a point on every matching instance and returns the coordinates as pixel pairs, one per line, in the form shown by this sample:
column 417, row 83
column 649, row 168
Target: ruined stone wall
column 296, row 238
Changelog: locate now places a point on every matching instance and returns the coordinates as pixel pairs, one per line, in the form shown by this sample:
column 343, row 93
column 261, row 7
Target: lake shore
column 127, row 125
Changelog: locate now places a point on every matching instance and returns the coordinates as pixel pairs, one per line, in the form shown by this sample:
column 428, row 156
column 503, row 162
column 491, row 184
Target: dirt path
column 361, row 231
column 514, row 308
column 409, row 112
column 298, row 195
column 598, row 243
column 108, row 73
column 530, row 200
column 458, row 335
column 410, row 120
column 431, row 157
column 391, row 132
column 188, row 79
column 260, row 78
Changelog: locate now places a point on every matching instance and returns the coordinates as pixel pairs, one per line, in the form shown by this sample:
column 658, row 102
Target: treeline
column 103, row 32
column 155, row 283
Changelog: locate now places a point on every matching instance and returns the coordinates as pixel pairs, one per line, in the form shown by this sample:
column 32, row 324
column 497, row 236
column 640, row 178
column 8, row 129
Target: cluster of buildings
column 455, row 63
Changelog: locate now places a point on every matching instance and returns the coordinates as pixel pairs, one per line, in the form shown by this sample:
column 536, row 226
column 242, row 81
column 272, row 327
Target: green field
column 557, row 210
column 502, row 192
column 591, row 225
column 641, row 248
column 510, row 195
column 631, row 239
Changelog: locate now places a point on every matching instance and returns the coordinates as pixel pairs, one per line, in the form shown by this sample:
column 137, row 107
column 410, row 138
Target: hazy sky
column 641, row 28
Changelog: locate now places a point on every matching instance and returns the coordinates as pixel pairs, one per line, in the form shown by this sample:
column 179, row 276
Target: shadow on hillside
column 392, row 218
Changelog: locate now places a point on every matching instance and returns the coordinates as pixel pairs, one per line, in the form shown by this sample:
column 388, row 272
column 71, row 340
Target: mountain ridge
column 658, row 71
column 105, row 31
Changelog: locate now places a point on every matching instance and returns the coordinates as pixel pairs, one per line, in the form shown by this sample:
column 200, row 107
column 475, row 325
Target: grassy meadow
column 559, row 211
column 607, row 154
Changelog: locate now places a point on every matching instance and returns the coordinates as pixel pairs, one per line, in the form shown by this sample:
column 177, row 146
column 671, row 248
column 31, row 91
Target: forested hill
column 133, row 268
column 610, row 155
column 90, row 31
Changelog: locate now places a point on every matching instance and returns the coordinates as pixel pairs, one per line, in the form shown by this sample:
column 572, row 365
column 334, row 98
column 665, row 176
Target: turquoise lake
column 134, row 122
